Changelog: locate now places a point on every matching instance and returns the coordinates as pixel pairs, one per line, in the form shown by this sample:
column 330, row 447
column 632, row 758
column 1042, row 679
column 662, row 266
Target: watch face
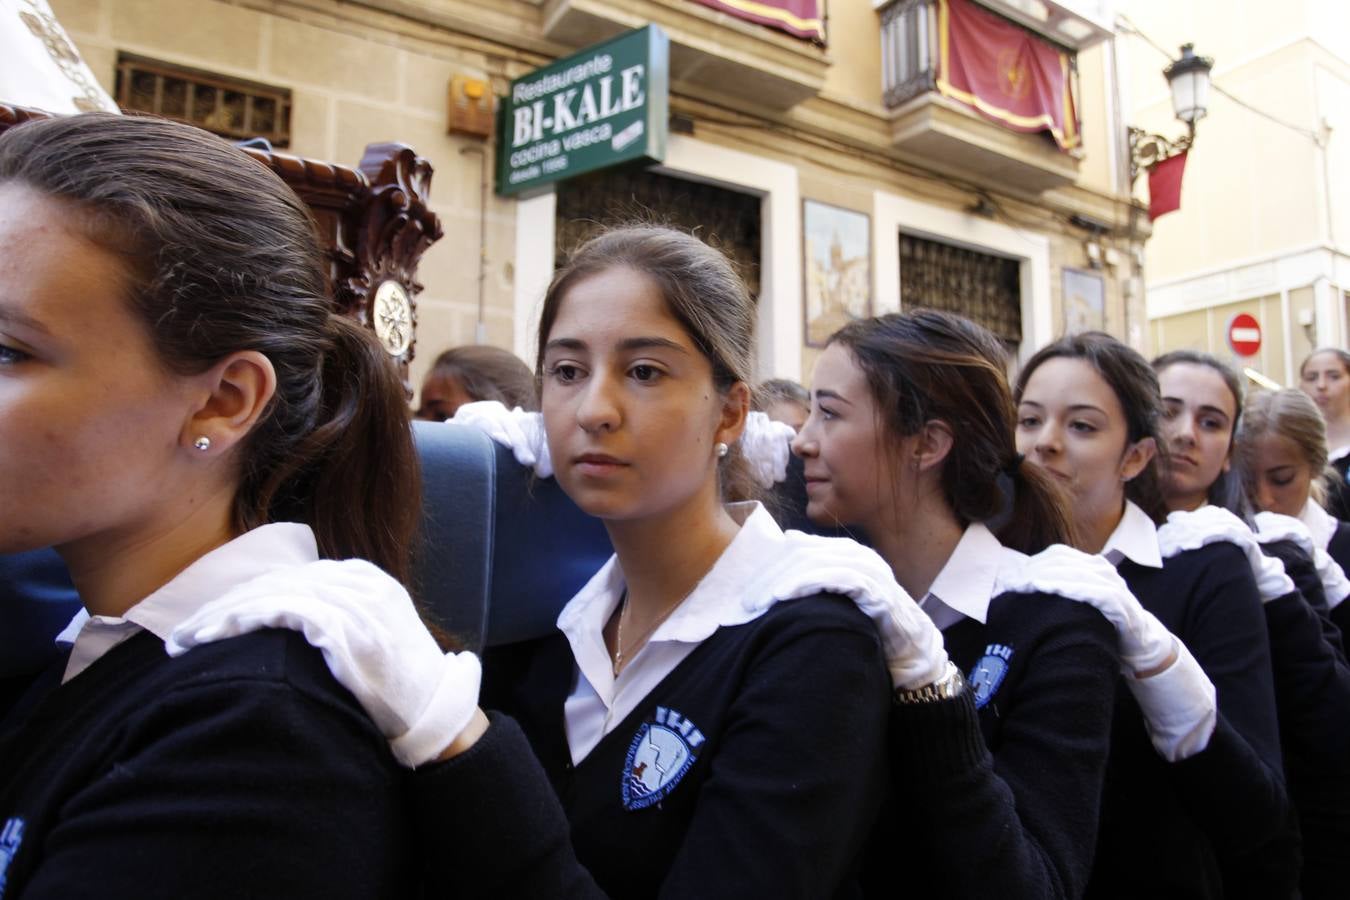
column 391, row 314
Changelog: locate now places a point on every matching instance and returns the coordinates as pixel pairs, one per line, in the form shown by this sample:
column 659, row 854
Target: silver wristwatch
column 950, row 685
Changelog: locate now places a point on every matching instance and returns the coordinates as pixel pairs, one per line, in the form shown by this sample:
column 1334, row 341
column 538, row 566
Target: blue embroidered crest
column 988, row 672
column 663, row 750
column 10, row 838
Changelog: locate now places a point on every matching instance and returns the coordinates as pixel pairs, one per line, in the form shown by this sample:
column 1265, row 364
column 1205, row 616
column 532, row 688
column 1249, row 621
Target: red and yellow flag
column 1005, row 72
column 800, row 18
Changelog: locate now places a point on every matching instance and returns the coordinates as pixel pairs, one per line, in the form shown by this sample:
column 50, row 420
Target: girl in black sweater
column 183, row 416
column 996, row 788
column 1311, row 680
column 1282, row 449
column 703, row 737
column 1282, row 457
column 1181, row 823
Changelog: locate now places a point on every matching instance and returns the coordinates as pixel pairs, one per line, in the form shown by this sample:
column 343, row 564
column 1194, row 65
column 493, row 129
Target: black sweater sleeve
column 1312, row 684
column 1020, row 822
column 494, row 805
column 1313, row 691
column 1242, row 796
column 1299, row 566
column 1226, row 633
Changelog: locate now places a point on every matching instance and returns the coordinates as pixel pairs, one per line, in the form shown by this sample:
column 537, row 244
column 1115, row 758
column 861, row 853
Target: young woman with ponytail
column 185, row 419
column 1209, row 817
column 996, row 779
column 710, row 712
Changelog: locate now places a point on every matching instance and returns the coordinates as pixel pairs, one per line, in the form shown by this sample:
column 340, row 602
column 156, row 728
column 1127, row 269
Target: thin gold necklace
column 618, row 638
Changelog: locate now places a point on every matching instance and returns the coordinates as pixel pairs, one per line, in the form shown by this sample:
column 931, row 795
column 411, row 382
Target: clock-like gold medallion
column 391, row 314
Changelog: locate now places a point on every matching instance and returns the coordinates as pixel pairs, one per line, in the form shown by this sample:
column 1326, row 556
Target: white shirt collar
column 966, row 583
column 598, row 701
column 715, row 601
column 1135, row 539
column 1338, row 453
column 1320, row 523
column 254, row 553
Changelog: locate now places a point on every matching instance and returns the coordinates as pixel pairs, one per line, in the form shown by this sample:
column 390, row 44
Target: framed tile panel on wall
column 837, row 262
column 1084, row 301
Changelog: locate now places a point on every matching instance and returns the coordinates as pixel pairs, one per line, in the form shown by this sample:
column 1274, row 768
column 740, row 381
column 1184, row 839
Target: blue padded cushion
column 452, row 567
column 546, row 550
column 37, row 600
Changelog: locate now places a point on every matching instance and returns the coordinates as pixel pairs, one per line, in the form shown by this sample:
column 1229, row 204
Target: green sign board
column 606, row 105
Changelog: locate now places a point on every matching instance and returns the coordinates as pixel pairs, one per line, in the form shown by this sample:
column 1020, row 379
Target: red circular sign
column 1244, row 335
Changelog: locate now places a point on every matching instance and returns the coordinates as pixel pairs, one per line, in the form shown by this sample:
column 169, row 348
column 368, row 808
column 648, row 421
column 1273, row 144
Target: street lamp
column 1188, row 77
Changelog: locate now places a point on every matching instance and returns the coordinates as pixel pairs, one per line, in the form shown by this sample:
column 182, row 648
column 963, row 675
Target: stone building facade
column 764, row 126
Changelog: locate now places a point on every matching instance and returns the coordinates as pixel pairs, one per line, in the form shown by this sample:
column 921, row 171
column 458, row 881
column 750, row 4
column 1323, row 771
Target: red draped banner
column 1005, row 72
column 801, row 18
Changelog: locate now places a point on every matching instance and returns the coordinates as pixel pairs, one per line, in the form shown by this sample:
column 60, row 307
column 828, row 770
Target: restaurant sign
column 604, row 106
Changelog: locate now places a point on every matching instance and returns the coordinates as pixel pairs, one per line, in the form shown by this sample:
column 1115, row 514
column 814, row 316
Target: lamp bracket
column 1147, row 150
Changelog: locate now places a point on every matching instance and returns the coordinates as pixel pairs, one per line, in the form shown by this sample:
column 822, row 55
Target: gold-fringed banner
column 800, row 18
column 1005, row 72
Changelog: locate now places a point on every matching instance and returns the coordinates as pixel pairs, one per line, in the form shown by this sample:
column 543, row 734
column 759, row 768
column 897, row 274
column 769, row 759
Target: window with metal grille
column 984, row 288
column 230, row 107
column 729, row 220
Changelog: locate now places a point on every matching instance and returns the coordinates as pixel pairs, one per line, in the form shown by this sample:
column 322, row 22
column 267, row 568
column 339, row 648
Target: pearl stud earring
column 202, row 443
column 721, row 449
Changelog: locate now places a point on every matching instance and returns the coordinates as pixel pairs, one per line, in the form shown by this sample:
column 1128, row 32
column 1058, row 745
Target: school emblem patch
column 10, row 838
column 988, row 672
column 663, row 750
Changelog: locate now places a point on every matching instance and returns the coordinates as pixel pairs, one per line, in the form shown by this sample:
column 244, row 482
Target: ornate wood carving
column 375, row 223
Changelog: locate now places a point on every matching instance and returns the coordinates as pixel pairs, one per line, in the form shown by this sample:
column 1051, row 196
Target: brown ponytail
column 928, row 366
column 341, row 478
column 224, row 257
column 1040, row 512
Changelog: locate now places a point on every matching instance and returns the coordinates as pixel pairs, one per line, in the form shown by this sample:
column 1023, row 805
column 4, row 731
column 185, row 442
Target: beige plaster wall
column 351, row 86
column 1252, row 188
column 1094, row 79
column 1302, row 303
column 855, row 49
column 1207, row 330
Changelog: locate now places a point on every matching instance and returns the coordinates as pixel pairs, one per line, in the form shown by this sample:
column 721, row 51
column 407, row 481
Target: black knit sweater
column 1312, row 692
column 240, row 769
column 1002, row 800
column 783, row 722
column 1218, row 824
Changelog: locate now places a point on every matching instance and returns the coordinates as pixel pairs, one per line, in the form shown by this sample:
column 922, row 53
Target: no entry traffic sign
column 1244, row 335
